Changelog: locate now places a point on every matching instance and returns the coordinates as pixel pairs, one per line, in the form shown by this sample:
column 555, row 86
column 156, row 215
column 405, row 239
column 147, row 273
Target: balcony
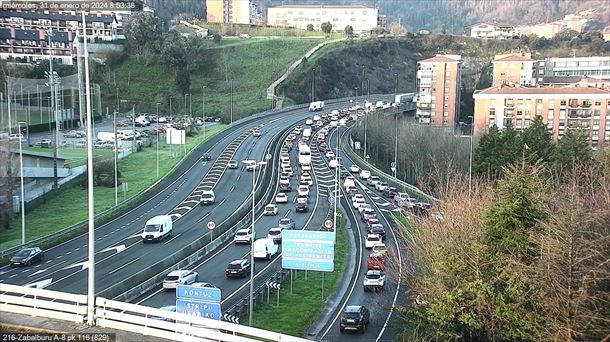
column 424, row 74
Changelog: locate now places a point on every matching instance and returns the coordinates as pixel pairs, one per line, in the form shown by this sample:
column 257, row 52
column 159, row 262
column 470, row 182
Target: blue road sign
column 308, row 250
column 198, row 308
column 206, row 294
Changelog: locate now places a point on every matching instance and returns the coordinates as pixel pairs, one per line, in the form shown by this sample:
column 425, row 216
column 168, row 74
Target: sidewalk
column 11, row 322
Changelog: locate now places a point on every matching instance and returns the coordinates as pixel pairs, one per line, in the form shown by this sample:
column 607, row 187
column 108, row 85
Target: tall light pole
column 395, row 168
column 171, row 117
column 203, row 109
column 251, row 303
column 470, row 158
column 21, row 174
column 157, row 129
column 116, row 148
column 313, row 85
column 368, row 89
column 231, row 100
column 117, row 99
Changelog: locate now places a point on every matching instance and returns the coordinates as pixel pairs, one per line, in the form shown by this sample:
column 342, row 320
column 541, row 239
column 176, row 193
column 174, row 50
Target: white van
column 264, row 249
column 365, row 174
column 315, row 106
column 157, row 228
column 207, row 197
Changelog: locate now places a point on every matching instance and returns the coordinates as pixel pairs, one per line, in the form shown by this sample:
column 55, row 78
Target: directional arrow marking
column 118, row 248
column 385, row 204
column 37, row 272
column 40, row 284
column 83, row 265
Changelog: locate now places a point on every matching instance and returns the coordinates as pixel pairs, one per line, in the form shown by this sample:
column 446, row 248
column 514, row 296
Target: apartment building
column 438, row 90
column 516, row 68
column 597, row 67
column 361, row 18
column 24, row 36
column 228, row 11
column 490, row 31
column 585, row 108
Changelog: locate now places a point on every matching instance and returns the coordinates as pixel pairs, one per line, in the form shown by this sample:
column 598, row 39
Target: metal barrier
column 40, row 302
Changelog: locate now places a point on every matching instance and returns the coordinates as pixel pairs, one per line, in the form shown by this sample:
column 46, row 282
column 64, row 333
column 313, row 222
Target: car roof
column 237, row 262
column 373, row 236
column 286, row 219
column 244, row 230
column 352, row 308
column 177, row 272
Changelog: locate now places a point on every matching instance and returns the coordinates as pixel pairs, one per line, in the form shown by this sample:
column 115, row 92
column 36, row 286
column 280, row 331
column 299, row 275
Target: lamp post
column 395, row 168
column 368, row 89
column 203, row 109
column 231, row 101
column 157, row 129
column 470, row 158
column 313, row 85
column 21, row 174
column 117, row 100
column 116, row 147
column 251, row 304
column 171, row 117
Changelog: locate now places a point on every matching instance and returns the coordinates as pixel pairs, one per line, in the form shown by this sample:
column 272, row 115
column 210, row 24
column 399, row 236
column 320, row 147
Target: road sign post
column 211, row 226
column 198, row 301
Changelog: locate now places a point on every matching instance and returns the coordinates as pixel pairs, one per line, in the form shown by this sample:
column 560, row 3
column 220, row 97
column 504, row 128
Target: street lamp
column 255, row 165
column 171, row 117
column 157, row 129
column 231, row 101
column 21, row 173
column 203, row 109
column 395, row 168
column 470, row 158
column 116, row 147
column 313, row 85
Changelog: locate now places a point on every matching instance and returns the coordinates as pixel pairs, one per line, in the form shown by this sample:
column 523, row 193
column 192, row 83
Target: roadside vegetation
column 523, row 255
column 68, row 206
column 297, row 311
column 263, row 31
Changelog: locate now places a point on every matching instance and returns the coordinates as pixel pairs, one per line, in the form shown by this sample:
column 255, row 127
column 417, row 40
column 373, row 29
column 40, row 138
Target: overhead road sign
column 308, row 250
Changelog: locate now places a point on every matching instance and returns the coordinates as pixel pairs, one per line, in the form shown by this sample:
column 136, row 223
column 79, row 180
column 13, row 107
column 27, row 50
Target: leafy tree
column 349, row 30
column 496, row 149
column 572, row 148
column 309, row 27
column 443, row 29
column 539, row 141
column 326, row 27
column 174, row 52
column 217, row 38
column 183, row 80
column 143, row 35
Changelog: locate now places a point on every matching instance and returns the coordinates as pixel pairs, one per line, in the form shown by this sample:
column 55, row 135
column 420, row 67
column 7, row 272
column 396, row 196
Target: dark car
column 238, row 268
column 344, row 173
column 27, row 256
column 355, row 317
column 301, row 207
column 207, row 157
column 389, row 192
column 285, row 187
column 378, row 229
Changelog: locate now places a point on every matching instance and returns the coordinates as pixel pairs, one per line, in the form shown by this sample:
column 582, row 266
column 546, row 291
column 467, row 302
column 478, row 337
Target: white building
column 361, row 18
column 491, row 31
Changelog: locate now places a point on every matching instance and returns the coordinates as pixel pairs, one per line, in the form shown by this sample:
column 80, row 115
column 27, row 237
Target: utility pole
column 231, row 100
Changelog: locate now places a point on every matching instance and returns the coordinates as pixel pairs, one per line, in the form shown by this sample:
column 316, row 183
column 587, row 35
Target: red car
column 159, row 129
column 376, row 262
column 121, row 124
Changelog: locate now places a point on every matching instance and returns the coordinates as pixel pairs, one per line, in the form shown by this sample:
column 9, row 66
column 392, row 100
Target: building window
column 562, row 103
column 446, row 114
column 446, row 97
column 492, row 113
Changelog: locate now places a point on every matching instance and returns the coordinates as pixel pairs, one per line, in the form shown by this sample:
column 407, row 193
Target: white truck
column 316, row 105
column 157, row 228
column 307, row 132
column 304, row 154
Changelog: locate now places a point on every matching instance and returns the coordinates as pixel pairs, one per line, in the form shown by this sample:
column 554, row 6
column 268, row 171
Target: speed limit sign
column 211, row 225
column 328, row 223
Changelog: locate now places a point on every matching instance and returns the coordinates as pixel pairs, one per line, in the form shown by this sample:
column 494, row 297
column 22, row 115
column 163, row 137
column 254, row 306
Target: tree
column 174, row 52
column 396, row 29
column 496, row 149
column 326, row 27
column 349, row 30
column 443, row 29
column 143, row 35
column 539, row 141
column 309, row 27
column 183, row 80
column 572, row 148
column 217, row 38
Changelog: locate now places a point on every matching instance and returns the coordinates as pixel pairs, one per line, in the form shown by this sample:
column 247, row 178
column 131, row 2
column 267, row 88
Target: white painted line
column 40, row 284
column 131, row 262
column 172, row 239
column 232, row 188
column 287, row 213
column 37, row 272
column 14, row 275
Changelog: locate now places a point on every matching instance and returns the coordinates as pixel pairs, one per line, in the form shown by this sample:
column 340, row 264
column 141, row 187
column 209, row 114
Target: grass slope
column 69, row 205
column 297, row 311
column 253, row 64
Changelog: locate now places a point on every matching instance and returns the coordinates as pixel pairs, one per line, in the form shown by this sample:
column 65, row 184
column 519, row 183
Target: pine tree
column 537, row 141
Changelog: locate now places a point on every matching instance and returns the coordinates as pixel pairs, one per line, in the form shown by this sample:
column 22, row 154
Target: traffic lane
column 75, row 250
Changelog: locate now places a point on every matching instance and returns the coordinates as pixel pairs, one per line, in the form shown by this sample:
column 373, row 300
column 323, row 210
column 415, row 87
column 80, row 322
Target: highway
column 381, row 304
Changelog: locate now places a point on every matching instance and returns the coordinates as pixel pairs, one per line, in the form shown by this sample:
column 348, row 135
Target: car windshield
column 152, row 227
column 206, row 195
column 373, row 276
column 275, row 232
column 242, row 233
column 234, row 266
column 373, row 238
column 23, row 253
column 171, row 278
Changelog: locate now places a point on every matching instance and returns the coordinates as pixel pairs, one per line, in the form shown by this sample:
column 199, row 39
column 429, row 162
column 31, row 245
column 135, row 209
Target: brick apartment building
column 228, row 11
column 438, row 90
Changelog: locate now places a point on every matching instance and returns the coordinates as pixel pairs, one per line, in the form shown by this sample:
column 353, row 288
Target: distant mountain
column 453, row 15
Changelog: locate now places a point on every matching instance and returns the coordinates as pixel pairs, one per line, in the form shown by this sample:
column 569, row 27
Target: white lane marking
column 13, row 276
column 172, row 239
column 40, row 284
column 134, row 236
column 68, row 253
column 83, row 265
column 287, row 213
column 37, row 272
column 232, row 188
column 118, row 249
column 131, row 262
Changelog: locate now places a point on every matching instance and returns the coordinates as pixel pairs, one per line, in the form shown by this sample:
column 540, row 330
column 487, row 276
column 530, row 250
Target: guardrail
column 40, row 302
column 395, row 182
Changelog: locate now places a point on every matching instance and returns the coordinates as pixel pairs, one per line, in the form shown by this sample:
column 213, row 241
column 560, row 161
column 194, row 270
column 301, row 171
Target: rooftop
column 513, row 58
column 439, row 59
column 57, row 16
column 322, row 6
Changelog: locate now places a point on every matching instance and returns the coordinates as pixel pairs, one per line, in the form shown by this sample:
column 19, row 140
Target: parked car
column 238, row 268
column 374, row 280
column 81, row 143
column 27, row 256
column 44, row 143
column 354, row 317
column 244, row 236
column 270, row 210
column 179, row 277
